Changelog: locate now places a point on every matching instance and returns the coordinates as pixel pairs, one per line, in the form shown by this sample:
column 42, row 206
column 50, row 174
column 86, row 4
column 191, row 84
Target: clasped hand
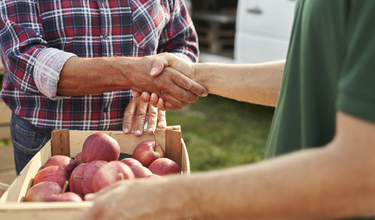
column 173, row 86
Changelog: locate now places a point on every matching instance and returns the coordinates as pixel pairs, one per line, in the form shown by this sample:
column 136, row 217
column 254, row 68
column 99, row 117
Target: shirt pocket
column 149, row 19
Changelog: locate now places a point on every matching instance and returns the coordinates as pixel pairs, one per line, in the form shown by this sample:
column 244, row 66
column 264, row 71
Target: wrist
column 133, row 72
column 201, row 75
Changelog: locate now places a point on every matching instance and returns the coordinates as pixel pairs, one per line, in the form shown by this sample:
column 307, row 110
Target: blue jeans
column 27, row 141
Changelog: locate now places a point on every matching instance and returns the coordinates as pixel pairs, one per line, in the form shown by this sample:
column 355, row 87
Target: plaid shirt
column 39, row 36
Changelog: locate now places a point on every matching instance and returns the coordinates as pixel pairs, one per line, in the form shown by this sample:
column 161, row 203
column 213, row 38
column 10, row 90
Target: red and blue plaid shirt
column 38, row 36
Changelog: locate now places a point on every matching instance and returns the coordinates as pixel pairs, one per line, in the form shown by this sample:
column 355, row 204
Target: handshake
column 175, row 83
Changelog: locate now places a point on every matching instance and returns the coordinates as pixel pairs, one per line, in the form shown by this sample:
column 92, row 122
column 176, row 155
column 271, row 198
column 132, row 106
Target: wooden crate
column 65, row 142
column 216, row 32
column 1, row 69
column 5, row 115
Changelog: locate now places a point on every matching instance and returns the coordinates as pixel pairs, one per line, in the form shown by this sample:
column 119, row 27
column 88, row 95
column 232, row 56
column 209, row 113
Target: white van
column 262, row 30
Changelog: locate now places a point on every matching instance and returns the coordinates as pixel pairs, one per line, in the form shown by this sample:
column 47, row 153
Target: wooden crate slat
column 5, row 113
column 1, row 69
column 8, row 176
column 5, row 133
column 43, row 211
column 60, row 142
column 7, row 159
column 173, row 145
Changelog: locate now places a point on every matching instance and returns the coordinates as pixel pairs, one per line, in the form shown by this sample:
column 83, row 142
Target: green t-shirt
column 330, row 67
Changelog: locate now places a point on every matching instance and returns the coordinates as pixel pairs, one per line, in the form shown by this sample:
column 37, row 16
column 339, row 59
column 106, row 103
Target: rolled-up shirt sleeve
column 31, row 64
column 47, row 68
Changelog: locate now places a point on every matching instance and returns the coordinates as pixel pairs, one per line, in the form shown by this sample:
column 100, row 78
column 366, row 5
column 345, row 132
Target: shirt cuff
column 48, row 65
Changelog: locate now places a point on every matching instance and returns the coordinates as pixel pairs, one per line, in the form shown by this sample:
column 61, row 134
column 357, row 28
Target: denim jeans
column 27, row 141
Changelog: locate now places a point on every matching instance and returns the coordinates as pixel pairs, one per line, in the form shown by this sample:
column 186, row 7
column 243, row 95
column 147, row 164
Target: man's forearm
column 331, row 182
column 82, row 76
column 255, row 83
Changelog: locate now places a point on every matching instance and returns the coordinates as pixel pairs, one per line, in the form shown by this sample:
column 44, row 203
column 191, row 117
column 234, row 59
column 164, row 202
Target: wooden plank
column 3, row 188
column 5, row 113
column 173, row 146
column 5, row 133
column 8, row 176
column 185, row 158
column 60, row 142
column 1, row 69
column 43, row 211
column 6, row 158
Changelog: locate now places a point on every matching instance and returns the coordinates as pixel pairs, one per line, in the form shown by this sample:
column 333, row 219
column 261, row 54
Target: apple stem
column 152, row 130
column 79, row 177
column 65, row 186
column 121, row 175
column 97, row 165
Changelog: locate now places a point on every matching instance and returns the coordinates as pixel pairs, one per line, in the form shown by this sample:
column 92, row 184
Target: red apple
column 110, row 173
column 148, row 151
column 78, row 158
column 131, row 162
column 52, row 173
column 64, row 197
column 100, row 146
column 76, row 179
column 89, row 173
column 140, row 171
column 164, row 166
column 39, row 192
column 62, row 161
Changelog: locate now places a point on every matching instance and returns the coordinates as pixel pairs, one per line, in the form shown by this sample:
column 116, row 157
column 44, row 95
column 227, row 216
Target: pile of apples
column 97, row 166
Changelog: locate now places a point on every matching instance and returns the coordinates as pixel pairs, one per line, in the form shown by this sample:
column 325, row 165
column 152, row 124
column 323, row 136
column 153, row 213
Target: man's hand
column 176, row 89
column 138, row 113
column 139, row 199
column 165, row 63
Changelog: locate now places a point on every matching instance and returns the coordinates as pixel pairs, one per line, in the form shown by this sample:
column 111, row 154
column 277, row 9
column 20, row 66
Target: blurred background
column 218, row 132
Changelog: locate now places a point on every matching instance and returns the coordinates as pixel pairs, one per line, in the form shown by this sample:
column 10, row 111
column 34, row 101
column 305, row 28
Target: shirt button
column 104, row 37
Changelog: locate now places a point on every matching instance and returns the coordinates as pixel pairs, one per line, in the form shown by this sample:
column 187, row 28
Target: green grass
column 220, row 133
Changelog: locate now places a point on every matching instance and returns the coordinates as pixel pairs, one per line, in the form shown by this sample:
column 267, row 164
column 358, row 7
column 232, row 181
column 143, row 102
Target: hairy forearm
column 82, row 76
column 330, row 182
column 306, row 185
column 255, row 83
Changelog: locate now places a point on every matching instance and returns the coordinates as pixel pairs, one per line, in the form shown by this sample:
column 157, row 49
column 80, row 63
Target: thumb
column 161, row 61
column 157, row 67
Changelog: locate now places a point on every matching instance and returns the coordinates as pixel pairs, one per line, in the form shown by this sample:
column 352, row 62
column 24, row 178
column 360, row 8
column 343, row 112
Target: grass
column 220, row 133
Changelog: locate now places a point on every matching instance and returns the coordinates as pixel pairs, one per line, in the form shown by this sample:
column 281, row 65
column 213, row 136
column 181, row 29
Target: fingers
column 161, row 61
column 135, row 94
column 157, row 67
column 135, row 116
column 177, row 89
column 156, row 116
column 127, row 122
column 152, row 118
column 154, row 99
column 190, row 85
column 162, row 121
column 146, row 97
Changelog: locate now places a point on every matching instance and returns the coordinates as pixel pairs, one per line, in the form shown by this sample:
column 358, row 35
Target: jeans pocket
column 26, row 142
